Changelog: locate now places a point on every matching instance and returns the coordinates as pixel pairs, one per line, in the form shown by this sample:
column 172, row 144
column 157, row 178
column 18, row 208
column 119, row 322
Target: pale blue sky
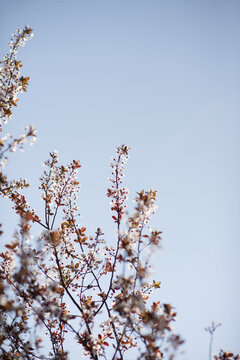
column 162, row 77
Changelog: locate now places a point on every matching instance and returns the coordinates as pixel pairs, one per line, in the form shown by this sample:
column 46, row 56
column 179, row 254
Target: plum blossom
column 11, row 83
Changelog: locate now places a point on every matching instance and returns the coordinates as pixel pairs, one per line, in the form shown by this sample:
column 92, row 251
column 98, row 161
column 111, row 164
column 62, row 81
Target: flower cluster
column 145, row 206
column 60, row 187
column 117, row 192
column 11, row 83
column 9, row 144
column 226, row 356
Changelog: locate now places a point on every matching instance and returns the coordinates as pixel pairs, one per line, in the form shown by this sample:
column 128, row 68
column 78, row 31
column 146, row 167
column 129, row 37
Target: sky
column 162, row 77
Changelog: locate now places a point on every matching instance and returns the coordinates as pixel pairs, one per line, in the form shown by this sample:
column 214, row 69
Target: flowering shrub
column 67, row 283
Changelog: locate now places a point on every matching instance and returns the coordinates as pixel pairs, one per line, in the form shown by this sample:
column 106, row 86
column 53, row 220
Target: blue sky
column 162, row 77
